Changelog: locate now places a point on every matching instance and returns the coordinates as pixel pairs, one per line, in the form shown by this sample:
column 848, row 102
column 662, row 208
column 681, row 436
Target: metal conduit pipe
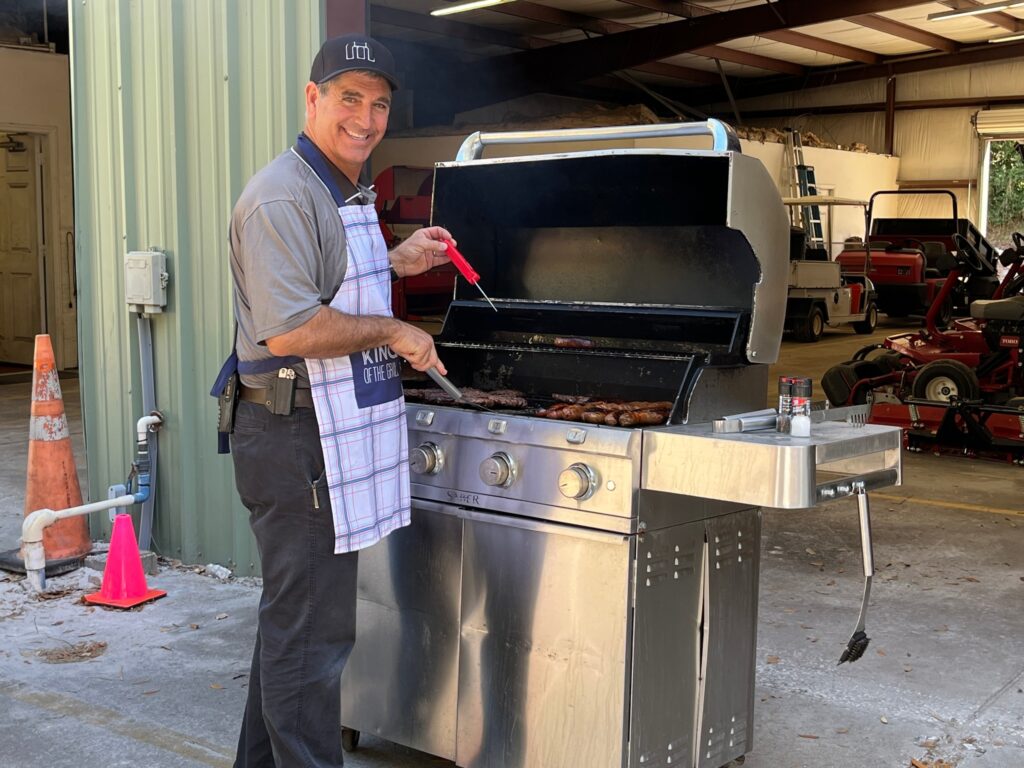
column 34, row 524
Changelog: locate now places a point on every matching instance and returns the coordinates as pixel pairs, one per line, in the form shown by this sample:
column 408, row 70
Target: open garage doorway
column 1003, row 190
column 37, row 254
column 1002, row 174
column 22, row 247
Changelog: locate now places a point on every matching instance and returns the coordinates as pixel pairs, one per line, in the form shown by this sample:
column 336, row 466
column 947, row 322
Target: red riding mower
column 956, row 390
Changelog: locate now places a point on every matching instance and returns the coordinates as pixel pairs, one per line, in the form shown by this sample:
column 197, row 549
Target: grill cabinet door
column 543, row 665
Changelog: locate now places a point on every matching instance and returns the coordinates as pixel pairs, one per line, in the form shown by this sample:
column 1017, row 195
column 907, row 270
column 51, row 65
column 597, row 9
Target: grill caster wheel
column 349, row 739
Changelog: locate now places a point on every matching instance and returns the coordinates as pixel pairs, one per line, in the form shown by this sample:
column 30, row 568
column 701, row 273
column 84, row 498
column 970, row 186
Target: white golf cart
column 820, row 295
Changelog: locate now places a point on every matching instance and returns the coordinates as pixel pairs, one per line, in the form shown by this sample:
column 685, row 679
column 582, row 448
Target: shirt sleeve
column 280, row 257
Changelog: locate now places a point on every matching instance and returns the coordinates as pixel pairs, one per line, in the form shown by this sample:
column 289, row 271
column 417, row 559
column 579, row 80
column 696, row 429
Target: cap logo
column 359, row 52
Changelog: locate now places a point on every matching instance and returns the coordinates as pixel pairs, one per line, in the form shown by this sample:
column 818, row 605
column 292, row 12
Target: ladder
column 803, row 184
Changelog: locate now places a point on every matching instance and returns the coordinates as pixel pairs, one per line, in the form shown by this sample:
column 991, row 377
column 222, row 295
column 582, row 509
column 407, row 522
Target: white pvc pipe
column 34, row 524
column 143, row 425
column 32, row 533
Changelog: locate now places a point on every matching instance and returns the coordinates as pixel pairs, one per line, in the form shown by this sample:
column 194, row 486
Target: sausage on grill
column 637, row 418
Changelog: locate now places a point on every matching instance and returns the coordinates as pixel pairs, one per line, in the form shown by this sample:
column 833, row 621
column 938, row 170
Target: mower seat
column 937, row 257
column 999, row 309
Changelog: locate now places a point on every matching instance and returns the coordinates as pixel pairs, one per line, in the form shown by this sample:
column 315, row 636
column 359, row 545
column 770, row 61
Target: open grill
column 612, row 279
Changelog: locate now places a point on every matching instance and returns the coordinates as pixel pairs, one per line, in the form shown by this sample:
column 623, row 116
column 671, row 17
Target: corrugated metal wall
column 175, row 105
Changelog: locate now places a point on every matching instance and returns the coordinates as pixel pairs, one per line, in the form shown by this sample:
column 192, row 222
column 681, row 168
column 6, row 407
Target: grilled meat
column 574, row 342
column 638, row 418
column 498, row 398
column 610, row 413
column 573, row 399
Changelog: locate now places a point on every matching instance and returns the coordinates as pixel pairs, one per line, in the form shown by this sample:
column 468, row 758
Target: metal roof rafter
column 537, row 71
column 787, row 36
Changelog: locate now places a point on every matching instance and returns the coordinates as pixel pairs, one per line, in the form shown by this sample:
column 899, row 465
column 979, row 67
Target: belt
column 263, row 396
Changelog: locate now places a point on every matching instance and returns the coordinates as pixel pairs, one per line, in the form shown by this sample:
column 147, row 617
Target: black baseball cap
column 351, row 52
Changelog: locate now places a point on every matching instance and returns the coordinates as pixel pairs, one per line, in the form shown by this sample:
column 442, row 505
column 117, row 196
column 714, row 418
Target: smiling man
column 319, row 439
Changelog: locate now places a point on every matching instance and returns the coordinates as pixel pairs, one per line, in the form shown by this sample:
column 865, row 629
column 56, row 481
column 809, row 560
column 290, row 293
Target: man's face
column 349, row 121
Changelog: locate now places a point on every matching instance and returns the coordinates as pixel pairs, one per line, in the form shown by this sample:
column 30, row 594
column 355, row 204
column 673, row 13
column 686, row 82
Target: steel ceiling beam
column 571, row 20
column 811, row 43
column 880, row 106
column 447, row 55
column 749, row 59
column 905, row 31
column 449, row 30
column 1004, row 20
column 542, row 70
column 446, row 29
column 789, row 37
column 979, row 54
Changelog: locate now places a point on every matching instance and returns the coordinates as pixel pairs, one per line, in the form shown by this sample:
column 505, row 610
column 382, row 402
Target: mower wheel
column 943, row 380
column 870, row 321
column 811, row 327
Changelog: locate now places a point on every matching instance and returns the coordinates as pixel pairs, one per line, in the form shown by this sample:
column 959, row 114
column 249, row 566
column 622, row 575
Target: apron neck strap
column 314, row 158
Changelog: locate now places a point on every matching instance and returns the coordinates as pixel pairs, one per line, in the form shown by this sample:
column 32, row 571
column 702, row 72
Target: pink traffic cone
column 124, row 583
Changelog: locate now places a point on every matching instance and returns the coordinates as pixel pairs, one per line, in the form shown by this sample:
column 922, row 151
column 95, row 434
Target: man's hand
column 421, row 251
column 416, row 346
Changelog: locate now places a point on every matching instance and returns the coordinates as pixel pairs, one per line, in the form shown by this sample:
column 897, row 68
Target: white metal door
column 20, row 305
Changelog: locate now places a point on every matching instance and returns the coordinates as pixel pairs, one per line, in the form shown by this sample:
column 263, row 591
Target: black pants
column 306, row 624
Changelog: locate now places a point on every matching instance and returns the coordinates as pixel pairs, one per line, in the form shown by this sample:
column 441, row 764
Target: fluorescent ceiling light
column 1008, row 38
column 976, row 10
column 478, row 4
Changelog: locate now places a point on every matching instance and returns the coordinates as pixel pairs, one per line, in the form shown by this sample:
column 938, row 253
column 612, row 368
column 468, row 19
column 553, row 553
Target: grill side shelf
column 770, row 469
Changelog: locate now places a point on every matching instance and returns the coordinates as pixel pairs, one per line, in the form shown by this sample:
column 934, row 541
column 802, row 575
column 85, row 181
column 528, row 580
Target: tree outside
column 1005, row 192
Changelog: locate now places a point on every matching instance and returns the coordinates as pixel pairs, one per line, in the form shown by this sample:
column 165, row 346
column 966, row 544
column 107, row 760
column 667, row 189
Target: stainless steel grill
column 565, row 596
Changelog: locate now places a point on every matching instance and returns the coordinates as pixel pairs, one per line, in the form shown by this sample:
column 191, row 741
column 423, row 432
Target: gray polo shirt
column 288, row 256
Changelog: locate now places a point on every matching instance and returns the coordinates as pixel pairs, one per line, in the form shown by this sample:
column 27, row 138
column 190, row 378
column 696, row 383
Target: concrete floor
column 942, row 679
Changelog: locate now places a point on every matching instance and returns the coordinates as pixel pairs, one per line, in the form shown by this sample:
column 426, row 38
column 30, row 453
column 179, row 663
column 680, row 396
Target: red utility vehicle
column 909, row 260
column 956, row 389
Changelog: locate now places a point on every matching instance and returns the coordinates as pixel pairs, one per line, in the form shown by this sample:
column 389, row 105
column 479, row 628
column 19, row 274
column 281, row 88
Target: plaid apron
column 358, row 399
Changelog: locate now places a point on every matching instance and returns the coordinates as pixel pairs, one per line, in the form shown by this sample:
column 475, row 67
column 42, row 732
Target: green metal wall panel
column 175, row 104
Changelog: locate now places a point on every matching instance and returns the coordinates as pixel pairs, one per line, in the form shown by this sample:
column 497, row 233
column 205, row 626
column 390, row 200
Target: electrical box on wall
column 145, row 281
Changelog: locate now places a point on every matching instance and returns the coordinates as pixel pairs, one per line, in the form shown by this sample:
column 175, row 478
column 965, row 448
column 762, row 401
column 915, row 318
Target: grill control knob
column 426, row 459
column 498, row 470
column 577, row 482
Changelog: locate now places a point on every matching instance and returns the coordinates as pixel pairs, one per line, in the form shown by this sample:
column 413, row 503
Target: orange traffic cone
column 124, row 583
column 52, row 477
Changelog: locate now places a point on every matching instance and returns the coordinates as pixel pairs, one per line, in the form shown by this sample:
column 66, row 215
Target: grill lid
column 653, row 251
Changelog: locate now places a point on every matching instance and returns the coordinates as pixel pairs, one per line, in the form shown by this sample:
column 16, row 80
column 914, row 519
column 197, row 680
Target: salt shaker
column 800, row 404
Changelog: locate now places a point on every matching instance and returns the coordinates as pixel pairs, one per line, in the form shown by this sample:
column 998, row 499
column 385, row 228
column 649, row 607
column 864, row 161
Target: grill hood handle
column 725, row 138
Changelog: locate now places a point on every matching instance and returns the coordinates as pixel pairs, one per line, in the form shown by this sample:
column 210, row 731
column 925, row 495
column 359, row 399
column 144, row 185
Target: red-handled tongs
column 466, row 270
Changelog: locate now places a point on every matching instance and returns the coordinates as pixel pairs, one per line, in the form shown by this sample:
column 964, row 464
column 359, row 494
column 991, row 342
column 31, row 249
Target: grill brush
column 858, row 642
